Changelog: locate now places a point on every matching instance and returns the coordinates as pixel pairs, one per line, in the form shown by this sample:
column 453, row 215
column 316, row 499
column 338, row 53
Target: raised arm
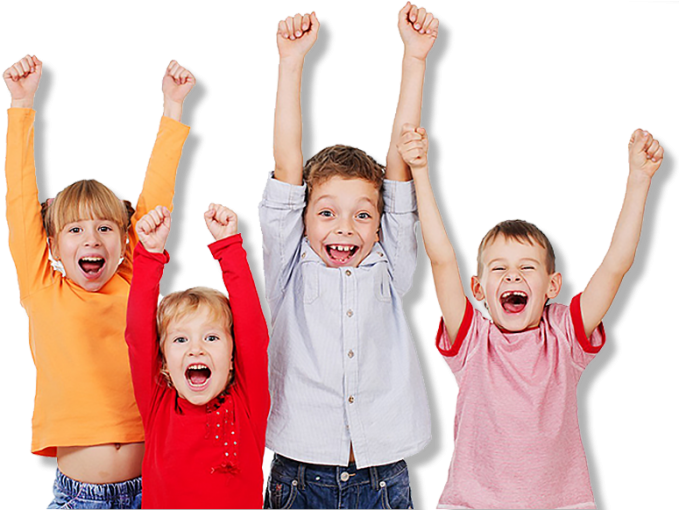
column 296, row 35
column 645, row 157
column 418, row 29
column 413, row 146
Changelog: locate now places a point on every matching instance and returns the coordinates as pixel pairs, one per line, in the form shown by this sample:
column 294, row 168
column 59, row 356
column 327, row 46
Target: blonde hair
column 520, row 231
column 85, row 200
column 174, row 307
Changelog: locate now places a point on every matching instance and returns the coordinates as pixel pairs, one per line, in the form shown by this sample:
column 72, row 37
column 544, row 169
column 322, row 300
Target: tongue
column 198, row 377
column 91, row 267
column 514, row 306
column 339, row 255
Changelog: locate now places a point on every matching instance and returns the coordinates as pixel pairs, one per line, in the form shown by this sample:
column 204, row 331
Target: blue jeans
column 295, row 484
column 69, row 493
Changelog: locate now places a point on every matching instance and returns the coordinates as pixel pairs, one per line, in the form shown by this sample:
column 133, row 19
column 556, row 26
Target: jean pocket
column 281, row 494
column 395, row 494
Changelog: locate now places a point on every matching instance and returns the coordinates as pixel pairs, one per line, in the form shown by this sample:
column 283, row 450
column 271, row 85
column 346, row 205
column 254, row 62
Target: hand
column 645, row 153
column 177, row 83
column 413, row 146
column 221, row 221
column 296, row 35
column 153, row 229
column 22, row 80
column 418, row 29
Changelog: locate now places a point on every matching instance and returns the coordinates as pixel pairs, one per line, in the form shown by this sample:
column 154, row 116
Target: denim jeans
column 69, row 493
column 295, row 484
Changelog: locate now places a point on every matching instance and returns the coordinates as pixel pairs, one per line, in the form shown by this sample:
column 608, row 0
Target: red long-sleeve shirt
column 207, row 456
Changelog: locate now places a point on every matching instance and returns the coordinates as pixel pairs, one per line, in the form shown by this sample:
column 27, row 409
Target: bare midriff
column 106, row 463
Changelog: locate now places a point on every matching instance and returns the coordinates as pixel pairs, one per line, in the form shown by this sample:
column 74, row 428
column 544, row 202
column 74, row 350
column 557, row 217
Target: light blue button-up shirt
column 343, row 369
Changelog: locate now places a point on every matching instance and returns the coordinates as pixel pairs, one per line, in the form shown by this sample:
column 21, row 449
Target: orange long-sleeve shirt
column 84, row 392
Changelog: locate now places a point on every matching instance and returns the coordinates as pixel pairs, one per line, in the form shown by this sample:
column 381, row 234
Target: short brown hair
column 178, row 305
column 85, row 200
column 520, row 231
column 345, row 162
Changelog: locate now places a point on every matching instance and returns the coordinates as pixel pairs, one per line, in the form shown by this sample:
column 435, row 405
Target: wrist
column 22, row 103
column 172, row 109
column 409, row 56
column 292, row 62
column 638, row 178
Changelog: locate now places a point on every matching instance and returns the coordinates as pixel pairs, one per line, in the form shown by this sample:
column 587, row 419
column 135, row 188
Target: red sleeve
column 251, row 337
column 579, row 326
column 140, row 334
column 443, row 343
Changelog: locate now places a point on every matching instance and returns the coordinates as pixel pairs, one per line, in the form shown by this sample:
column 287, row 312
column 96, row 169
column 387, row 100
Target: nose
column 196, row 349
column 513, row 277
column 92, row 238
column 345, row 227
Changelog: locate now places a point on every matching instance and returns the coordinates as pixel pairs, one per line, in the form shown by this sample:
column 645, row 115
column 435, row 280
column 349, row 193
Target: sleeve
column 583, row 349
column 281, row 219
column 398, row 236
column 27, row 236
column 457, row 351
column 158, row 188
column 141, row 334
column 250, row 335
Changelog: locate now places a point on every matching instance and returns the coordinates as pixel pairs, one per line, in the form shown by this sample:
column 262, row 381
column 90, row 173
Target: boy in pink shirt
column 517, row 439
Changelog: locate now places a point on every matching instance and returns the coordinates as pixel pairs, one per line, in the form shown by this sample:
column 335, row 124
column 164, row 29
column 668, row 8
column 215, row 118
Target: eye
column 211, row 338
column 498, row 268
column 526, row 268
column 325, row 213
column 363, row 216
column 180, row 340
column 105, row 228
column 75, row 230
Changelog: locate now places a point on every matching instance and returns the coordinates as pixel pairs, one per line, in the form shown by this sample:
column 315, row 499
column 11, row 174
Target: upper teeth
column 514, row 293
column 341, row 247
column 197, row 367
column 92, row 259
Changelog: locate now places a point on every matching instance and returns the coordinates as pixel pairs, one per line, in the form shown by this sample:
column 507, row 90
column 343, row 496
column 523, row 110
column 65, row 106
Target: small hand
column 645, row 153
column 296, row 35
column 177, row 82
column 153, row 229
column 221, row 221
column 418, row 29
column 22, row 80
column 413, row 146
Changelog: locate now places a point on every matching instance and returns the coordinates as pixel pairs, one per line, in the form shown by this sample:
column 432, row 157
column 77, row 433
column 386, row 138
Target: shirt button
column 380, row 254
column 350, row 354
column 351, row 399
column 347, row 272
column 303, row 254
column 350, row 313
column 344, row 476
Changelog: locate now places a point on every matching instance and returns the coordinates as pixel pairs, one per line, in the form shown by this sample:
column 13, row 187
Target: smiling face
column 515, row 283
column 342, row 220
column 198, row 350
column 90, row 251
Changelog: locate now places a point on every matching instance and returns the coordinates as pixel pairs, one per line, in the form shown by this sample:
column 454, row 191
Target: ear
column 377, row 235
column 555, row 281
column 54, row 247
column 124, row 242
column 477, row 289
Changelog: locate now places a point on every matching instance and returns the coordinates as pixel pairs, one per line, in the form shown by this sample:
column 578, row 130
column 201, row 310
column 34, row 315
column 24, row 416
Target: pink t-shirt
column 517, row 439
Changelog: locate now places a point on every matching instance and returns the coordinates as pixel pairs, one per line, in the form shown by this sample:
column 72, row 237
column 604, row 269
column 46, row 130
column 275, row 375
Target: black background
column 529, row 115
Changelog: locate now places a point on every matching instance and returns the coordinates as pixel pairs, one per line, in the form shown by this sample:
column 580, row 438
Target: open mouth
column 197, row 376
column 341, row 253
column 513, row 301
column 92, row 266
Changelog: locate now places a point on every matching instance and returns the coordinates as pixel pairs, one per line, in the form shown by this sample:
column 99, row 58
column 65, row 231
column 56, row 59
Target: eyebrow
column 364, row 198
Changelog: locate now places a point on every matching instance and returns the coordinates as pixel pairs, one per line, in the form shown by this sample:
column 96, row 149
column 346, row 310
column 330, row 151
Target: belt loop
column 301, row 475
column 374, row 478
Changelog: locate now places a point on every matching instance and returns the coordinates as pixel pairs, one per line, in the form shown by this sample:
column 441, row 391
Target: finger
column 408, row 127
column 283, row 29
column 315, row 24
column 434, row 27
column 427, row 23
column 652, row 148
column 638, row 140
column 306, row 23
column 421, row 15
column 412, row 15
column 297, row 25
column 403, row 13
column 26, row 64
column 289, row 23
column 19, row 70
column 171, row 66
column 659, row 154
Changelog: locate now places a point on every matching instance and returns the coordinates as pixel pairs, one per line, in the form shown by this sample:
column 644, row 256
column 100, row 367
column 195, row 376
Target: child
column 199, row 368
column 348, row 397
column 517, row 439
column 85, row 413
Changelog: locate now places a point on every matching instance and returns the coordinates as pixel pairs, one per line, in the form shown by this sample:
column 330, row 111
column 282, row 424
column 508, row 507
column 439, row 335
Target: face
column 89, row 251
column 342, row 220
column 198, row 352
column 515, row 283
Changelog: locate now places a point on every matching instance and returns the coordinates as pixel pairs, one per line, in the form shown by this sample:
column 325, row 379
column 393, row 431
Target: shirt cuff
column 399, row 196
column 218, row 247
column 139, row 250
column 596, row 340
column 282, row 195
column 443, row 343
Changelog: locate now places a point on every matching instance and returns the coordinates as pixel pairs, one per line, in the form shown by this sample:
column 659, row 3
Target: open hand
column 418, row 29
column 153, row 229
column 221, row 221
column 296, row 35
column 645, row 153
column 22, row 80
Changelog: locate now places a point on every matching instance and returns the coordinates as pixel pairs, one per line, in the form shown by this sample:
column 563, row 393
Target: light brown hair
column 345, row 162
column 520, row 231
column 85, row 200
